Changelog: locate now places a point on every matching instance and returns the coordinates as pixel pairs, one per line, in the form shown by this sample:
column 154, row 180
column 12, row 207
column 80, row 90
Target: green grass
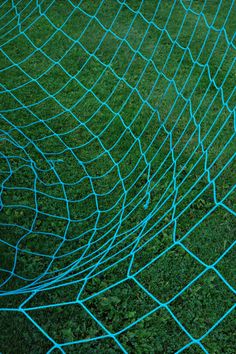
column 79, row 126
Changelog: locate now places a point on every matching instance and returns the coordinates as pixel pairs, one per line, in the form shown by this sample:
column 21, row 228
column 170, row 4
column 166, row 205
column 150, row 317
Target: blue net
column 117, row 176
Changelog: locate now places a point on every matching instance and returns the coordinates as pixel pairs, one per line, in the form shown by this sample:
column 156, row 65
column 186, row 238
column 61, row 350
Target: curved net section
column 117, row 194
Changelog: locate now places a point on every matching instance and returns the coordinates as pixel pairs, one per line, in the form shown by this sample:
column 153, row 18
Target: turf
column 105, row 106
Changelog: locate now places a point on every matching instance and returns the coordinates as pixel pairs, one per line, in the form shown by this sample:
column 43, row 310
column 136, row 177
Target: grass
column 94, row 123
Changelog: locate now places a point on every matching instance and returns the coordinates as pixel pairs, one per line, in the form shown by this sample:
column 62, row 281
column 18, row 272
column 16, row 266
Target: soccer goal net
column 117, row 176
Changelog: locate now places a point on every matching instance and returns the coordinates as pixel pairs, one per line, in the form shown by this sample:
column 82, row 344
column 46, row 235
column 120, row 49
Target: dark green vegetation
column 104, row 110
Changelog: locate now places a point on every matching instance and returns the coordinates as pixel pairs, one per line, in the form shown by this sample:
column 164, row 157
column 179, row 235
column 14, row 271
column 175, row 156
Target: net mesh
column 117, row 146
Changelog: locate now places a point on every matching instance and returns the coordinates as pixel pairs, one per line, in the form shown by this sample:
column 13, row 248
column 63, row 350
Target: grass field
column 117, row 176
